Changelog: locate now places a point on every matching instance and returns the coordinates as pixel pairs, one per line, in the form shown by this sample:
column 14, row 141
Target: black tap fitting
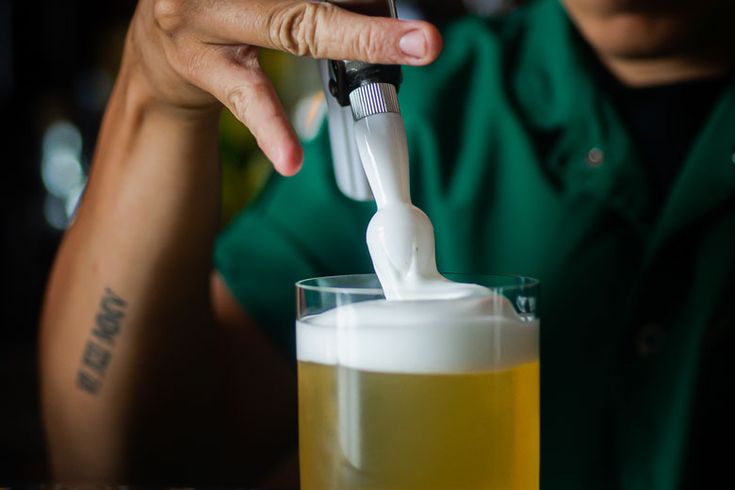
column 346, row 76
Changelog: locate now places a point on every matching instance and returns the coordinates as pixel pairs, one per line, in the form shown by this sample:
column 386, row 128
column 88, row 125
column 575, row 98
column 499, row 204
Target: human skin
column 653, row 42
column 184, row 387
column 150, row 372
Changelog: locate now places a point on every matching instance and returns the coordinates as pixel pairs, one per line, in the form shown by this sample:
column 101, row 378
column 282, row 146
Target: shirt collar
column 557, row 91
column 559, row 96
column 706, row 183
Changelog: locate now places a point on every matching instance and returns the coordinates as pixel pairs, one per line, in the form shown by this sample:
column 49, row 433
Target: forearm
column 138, row 254
column 128, row 299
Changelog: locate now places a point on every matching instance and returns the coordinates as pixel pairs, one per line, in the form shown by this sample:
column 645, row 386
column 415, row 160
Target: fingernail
column 413, row 44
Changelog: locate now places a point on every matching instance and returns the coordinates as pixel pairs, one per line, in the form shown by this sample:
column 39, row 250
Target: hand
column 201, row 54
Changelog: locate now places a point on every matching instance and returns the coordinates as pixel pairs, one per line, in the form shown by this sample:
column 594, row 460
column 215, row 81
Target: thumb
column 324, row 30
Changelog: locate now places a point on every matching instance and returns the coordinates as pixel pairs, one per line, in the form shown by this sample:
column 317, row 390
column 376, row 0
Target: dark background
column 57, row 63
column 56, row 60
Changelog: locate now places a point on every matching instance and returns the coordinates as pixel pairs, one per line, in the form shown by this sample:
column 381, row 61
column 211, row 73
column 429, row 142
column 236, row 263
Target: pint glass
column 424, row 395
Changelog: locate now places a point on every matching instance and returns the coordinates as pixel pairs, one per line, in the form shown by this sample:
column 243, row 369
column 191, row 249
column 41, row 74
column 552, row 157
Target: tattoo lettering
column 112, row 310
column 97, row 351
column 96, row 357
column 88, row 383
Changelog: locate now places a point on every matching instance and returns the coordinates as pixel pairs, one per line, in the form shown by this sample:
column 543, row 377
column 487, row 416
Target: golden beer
column 394, row 431
column 424, row 395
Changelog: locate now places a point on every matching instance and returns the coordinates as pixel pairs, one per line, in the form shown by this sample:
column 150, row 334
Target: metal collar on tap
column 374, row 98
column 349, row 76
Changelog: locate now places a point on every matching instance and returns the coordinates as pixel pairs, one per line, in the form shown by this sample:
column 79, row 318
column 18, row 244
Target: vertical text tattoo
column 98, row 349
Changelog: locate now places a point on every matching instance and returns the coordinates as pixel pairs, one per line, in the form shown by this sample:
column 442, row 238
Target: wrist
column 138, row 95
column 140, row 127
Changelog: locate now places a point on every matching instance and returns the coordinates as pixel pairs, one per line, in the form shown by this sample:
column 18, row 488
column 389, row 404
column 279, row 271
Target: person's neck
column 643, row 72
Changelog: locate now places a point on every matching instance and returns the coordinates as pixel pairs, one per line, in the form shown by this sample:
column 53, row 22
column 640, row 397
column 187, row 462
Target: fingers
column 211, row 45
column 320, row 30
column 233, row 76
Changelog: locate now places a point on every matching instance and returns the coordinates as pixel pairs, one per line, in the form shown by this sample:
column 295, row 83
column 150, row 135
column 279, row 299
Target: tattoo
column 98, row 349
column 96, row 357
column 112, row 310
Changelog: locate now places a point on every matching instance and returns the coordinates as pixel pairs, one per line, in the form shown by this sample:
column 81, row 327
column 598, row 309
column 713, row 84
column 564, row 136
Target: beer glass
column 434, row 394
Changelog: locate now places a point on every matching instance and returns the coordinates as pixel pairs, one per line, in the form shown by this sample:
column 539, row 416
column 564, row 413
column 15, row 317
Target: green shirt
column 525, row 168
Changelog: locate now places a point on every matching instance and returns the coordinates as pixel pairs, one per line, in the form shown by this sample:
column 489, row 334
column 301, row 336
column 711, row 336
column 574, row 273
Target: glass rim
column 523, row 282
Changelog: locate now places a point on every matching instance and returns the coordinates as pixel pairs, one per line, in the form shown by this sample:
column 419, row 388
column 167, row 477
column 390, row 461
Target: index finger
column 321, row 30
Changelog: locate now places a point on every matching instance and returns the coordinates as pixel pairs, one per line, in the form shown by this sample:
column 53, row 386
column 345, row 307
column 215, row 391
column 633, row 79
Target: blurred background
column 58, row 62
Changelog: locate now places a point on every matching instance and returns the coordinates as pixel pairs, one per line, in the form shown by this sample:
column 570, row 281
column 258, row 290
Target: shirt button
column 650, row 340
column 595, row 157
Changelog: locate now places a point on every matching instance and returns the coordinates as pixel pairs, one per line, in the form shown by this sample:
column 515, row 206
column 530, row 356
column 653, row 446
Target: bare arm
column 139, row 247
column 142, row 359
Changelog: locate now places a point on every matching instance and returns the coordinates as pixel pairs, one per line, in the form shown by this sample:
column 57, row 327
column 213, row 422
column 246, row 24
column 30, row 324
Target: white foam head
column 400, row 236
column 475, row 334
column 438, row 326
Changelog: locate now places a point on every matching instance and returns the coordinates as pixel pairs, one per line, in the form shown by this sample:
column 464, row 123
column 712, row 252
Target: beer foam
column 400, row 236
column 437, row 326
column 474, row 334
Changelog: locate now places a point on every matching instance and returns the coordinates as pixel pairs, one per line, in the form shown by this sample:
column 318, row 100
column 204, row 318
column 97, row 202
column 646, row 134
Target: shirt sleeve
column 299, row 227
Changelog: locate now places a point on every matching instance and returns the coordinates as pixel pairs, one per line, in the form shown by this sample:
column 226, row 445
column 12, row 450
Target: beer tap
column 355, row 90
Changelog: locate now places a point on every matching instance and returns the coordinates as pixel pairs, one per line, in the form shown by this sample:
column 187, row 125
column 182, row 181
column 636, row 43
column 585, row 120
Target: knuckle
column 295, row 28
column 248, row 101
column 246, row 57
column 169, row 15
column 370, row 42
column 239, row 101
